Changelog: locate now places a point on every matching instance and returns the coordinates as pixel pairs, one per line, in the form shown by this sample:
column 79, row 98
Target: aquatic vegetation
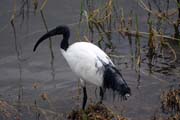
column 7, row 111
column 171, row 101
column 107, row 19
column 170, row 104
column 152, row 38
column 94, row 112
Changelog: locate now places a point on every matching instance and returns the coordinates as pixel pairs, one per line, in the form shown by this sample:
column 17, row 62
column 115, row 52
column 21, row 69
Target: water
column 26, row 76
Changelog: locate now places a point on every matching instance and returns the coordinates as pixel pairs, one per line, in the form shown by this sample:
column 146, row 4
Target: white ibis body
column 90, row 64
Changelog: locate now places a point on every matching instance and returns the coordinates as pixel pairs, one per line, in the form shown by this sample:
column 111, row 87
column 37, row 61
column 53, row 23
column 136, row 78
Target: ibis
column 90, row 64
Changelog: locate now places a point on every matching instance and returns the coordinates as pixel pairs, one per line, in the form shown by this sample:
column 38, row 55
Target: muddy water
column 26, row 76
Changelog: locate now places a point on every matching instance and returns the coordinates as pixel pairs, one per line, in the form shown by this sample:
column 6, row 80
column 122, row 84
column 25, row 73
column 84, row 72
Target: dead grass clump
column 94, row 112
column 7, row 111
column 170, row 104
column 171, row 100
column 171, row 117
column 174, row 117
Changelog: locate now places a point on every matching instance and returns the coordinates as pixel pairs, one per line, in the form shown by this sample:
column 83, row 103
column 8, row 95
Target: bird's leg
column 83, row 84
column 84, row 98
column 101, row 95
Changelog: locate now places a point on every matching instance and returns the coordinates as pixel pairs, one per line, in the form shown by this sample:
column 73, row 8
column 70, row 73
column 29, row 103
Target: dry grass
column 94, row 112
column 7, row 111
column 170, row 105
column 171, row 100
column 102, row 21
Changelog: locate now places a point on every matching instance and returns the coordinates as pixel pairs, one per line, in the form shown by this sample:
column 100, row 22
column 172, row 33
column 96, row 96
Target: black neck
column 64, row 30
column 65, row 42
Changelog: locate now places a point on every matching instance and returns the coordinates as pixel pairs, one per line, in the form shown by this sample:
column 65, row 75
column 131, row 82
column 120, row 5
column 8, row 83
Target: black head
column 60, row 30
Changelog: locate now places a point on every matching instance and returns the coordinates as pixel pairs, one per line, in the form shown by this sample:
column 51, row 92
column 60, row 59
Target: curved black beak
column 64, row 30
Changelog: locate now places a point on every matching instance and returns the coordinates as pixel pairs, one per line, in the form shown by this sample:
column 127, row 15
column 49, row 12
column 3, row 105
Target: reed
column 103, row 20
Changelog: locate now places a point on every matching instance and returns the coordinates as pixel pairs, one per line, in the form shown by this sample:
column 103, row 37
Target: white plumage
column 90, row 64
column 83, row 59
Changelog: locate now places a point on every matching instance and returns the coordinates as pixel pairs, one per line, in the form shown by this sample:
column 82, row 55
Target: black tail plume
column 115, row 81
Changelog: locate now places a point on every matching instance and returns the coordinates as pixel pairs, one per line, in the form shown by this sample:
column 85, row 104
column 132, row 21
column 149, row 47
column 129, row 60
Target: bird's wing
column 101, row 55
column 87, row 61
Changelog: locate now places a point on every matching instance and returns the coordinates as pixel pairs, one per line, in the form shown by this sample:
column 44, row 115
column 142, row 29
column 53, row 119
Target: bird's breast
column 84, row 65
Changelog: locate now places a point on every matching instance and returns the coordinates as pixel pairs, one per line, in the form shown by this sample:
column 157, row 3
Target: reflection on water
column 20, row 84
column 50, row 48
column 42, row 86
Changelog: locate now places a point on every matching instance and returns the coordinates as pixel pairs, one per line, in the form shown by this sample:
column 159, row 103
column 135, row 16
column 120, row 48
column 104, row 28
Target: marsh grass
column 105, row 19
column 23, row 12
column 101, row 19
column 170, row 104
column 94, row 112
column 50, row 42
column 171, row 101
column 8, row 111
